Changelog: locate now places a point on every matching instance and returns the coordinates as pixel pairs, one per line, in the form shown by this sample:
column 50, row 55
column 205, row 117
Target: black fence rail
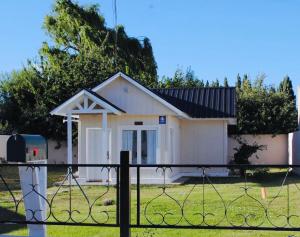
column 190, row 196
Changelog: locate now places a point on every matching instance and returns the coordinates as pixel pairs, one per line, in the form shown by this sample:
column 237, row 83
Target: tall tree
column 83, row 53
column 207, row 84
column 181, row 80
column 225, row 82
column 286, row 86
column 215, row 83
column 238, row 83
column 262, row 110
column 246, row 83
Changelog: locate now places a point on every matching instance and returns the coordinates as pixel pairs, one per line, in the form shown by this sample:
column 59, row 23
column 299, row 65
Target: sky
column 216, row 38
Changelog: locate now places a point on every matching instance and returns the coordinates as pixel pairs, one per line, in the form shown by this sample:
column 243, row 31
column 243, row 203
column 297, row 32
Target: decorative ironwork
column 199, row 203
column 245, row 211
column 164, row 217
column 203, row 214
column 88, row 209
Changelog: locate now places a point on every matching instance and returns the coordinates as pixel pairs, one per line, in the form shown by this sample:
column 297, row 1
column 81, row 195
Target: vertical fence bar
column 124, row 194
column 138, row 195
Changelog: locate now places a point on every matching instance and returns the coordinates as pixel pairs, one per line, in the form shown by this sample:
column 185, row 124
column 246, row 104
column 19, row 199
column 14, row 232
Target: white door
column 143, row 144
column 95, row 154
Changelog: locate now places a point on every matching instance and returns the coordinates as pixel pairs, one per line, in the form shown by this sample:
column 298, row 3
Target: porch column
column 104, row 127
column 69, row 137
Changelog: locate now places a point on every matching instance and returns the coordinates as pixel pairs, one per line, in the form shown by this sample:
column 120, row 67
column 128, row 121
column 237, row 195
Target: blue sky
column 216, row 38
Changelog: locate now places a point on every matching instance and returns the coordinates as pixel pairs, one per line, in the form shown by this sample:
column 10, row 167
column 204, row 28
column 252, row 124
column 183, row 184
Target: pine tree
column 238, row 83
column 215, row 83
column 246, row 83
column 286, row 86
column 226, row 82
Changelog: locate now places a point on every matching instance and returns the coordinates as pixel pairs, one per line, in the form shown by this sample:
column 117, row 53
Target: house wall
column 181, row 141
column 3, row 142
column 173, row 137
column 294, row 140
column 132, row 99
column 276, row 153
column 115, row 123
column 139, row 106
column 59, row 155
column 55, row 155
column 202, row 141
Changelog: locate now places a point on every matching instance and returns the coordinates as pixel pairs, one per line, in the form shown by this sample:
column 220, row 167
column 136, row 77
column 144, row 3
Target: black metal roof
column 202, row 102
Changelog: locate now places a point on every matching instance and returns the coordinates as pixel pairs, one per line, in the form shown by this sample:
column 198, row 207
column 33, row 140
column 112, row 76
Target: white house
column 159, row 126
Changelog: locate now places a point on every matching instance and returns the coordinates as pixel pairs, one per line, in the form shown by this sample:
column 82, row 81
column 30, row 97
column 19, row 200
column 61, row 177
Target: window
column 129, row 143
column 142, row 143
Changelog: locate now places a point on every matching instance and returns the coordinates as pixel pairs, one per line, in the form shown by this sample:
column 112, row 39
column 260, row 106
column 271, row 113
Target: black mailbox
column 24, row 148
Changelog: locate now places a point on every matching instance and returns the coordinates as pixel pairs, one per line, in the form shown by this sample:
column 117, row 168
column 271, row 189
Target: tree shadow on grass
column 8, row 215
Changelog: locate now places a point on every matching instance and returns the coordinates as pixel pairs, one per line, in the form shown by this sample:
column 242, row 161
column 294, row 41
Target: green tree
column 83, row 53
column 262, row 110
column 246, row 83
column 207, row 84
column 181, row 80
column 225, row 82
column 238, row 83
column 286, row 86
column 215, row 83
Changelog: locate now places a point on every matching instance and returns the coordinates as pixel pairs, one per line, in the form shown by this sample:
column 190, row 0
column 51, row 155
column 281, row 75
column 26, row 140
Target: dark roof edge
column 105, row 100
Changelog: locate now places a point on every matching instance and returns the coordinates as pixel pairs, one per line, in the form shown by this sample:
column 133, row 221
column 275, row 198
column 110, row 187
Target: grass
column 190, row 194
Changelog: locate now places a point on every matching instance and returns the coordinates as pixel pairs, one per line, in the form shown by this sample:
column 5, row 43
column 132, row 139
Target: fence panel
column 252, row 197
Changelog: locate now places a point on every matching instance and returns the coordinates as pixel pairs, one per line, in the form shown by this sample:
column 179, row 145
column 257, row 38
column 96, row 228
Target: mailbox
column 25, row 148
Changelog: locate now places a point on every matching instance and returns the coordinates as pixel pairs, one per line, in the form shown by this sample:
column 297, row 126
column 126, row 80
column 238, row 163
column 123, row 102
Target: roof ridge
column 181, row 88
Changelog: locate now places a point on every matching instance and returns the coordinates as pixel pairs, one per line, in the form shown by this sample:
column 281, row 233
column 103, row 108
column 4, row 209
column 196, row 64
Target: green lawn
column 167, row 205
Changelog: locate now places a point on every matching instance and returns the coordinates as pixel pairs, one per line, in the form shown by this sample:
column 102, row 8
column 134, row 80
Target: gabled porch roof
column 86, row 102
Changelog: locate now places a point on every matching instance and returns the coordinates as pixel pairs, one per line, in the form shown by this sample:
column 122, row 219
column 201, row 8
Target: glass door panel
column 148, row 146
column 142, row 143
column 129, row 142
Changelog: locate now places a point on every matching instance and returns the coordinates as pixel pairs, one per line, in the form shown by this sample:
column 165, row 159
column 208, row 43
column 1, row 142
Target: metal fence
column 253, row 197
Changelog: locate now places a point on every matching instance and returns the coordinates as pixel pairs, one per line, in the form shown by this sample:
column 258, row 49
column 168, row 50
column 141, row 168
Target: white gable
column 84, row 102
column 131, row 99
column 134, row 98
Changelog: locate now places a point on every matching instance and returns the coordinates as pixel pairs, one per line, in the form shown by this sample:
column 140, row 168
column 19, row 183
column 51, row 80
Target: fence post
column 124, row 194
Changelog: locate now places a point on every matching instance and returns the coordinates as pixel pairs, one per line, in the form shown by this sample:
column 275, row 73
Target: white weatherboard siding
column 132, row 100
column 174, row 141
column 180, row 141
column 276, row 153
column 115, row 124
column 202, row 142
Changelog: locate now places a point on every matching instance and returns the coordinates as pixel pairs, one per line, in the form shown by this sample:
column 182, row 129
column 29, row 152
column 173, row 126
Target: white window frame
column 139, row 128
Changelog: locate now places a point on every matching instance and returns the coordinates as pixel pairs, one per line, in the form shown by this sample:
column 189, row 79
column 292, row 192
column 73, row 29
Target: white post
column 34, row 203
column 69, row 135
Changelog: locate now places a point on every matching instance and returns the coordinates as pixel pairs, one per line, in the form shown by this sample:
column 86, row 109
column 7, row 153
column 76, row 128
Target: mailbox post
column 31, row 149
